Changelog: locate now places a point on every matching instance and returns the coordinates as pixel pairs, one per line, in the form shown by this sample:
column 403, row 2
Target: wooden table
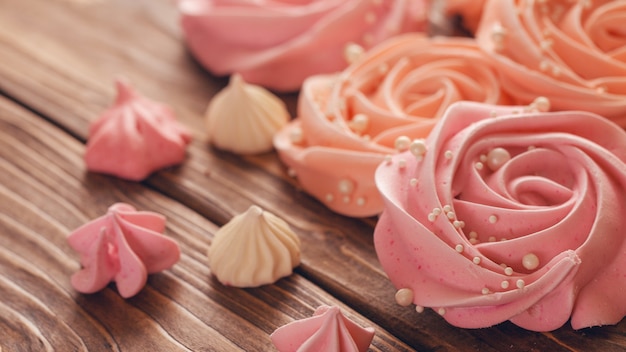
column 58, row 61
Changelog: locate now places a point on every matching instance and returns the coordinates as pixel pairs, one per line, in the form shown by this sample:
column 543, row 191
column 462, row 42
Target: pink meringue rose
column 349, row 122
column 573, row 52
column 515, row 217
column 328, row 330
column 278, row 43
column 135, row 137
column 124, row 246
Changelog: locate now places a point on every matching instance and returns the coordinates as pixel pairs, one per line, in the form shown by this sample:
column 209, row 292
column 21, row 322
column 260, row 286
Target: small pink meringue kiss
column 135, row 137
column 124, row 246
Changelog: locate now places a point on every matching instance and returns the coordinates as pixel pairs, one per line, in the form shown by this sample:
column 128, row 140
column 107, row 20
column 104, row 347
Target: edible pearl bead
column 352, row 52
column 402, row 143
column 359, row 123
column 296, row 135
column 404, row 297
column 345, row 186
column 542, row 104
column 497, row 157
column 530, row 261
column 418, row 147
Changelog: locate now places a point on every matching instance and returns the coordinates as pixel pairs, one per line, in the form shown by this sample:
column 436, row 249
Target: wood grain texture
column 62, row 68
column 45, row 193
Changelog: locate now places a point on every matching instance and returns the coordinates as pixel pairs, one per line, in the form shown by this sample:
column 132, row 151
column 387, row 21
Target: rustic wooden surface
column 58, row 61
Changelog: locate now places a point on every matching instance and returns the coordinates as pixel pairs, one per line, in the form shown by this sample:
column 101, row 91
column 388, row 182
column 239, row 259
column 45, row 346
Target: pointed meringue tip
column 254, row 210
column 237, row 82
column 125, row 91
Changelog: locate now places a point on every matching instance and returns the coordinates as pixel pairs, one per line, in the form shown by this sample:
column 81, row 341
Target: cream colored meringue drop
column 243, row 118
column 253, row 249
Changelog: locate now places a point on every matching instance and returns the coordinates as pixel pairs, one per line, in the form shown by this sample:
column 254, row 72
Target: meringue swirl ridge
column 515, row 217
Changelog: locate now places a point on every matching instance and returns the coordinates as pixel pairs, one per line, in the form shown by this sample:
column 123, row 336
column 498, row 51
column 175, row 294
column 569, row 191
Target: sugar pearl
column 419, row 309
column 359, row 123
column 497, row 157
column 441, row 311
column 530, row 261
column 476, row 260
column 508, row 271
column 345, row 186
column 418, row 147
column 402, row 143
column 413, row 182
column 520, row 283
column 493, row 219
column 542, row 104
column 459, row 248
column 296, row 135
column 404, row 297
column 352, row 52
column 504, row 284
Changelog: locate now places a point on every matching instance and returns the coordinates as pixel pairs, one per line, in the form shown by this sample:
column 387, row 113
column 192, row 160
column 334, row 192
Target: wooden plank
column 45, row 193
column 64, row 67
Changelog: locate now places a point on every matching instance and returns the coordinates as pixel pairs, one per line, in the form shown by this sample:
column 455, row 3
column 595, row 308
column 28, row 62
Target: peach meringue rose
column 573, row 52
column 393, row 95
column 124, row 246
column 509, row 214
column 278, row 43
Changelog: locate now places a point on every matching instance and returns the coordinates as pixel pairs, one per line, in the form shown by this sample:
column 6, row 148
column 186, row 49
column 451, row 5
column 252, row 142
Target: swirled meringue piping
column 350, row 122
column 135, row 137
column 253, row 249
column 123, row 246
column 243, row 118
column 509, row 213
column 279, row 44
column 327, row 330
column 559, row 49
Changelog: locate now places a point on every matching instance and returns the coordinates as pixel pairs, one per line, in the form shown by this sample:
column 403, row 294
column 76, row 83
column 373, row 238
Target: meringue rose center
column 512, row 199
